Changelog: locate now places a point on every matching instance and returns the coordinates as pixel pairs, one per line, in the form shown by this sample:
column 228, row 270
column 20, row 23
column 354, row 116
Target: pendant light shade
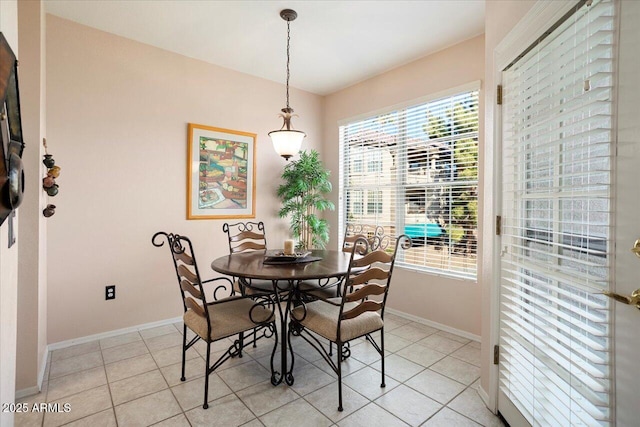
column 287, row 141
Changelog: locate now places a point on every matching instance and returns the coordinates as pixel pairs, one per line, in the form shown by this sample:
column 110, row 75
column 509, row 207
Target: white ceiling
column 334, row 44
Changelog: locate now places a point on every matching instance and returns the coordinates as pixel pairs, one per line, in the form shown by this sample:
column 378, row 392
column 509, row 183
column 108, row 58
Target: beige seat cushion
column 319, row 289
column 258, row 287
column 227, row 318
column 322, row 318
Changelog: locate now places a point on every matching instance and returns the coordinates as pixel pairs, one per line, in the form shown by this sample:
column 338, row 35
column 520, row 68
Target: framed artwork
column 221, row 173
column 11, row 141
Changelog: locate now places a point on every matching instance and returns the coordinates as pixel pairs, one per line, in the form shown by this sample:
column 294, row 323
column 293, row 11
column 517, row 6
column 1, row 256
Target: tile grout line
column 313, row 364
column 182, row 411
column 104, row 367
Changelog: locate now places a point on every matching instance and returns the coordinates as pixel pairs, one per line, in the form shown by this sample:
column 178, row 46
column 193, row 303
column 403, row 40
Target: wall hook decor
column 49, row 181
column 49, row 210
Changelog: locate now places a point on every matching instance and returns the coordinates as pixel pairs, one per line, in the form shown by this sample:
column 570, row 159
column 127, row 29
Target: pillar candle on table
column 288, row 247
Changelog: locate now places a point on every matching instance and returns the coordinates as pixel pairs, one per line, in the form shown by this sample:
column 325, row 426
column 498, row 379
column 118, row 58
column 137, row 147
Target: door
column 627, row 218
column 559, row 349
column 571, row 212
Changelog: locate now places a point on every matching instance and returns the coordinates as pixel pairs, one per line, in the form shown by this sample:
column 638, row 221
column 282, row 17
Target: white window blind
column 557, row 148
column 420, row 177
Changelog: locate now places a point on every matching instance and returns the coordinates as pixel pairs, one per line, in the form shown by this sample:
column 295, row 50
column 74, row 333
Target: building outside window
column 421, row 180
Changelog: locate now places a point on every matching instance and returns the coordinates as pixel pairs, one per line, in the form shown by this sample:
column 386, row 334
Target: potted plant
column 306, row 182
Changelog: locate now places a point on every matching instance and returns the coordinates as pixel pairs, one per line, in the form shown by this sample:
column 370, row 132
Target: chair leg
column 254, row 338
column 339, row 358
column 184, row 350
column 241, row 342
column 382, row 384
column 330, row 348
column 206, row 376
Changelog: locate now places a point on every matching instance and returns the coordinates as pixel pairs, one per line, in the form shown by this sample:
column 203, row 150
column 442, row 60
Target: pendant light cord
column 288, row 40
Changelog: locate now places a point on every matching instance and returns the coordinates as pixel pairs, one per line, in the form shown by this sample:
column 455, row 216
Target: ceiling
column 334, row 44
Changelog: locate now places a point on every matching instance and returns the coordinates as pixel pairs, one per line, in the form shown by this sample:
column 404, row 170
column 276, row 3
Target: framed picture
column 11, row 142
column 221, row 173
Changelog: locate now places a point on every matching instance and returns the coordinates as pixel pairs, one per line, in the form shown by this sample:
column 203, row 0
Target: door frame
column 530, row 28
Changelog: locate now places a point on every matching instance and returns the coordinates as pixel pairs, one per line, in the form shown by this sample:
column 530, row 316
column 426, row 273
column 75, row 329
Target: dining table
column 285, row 275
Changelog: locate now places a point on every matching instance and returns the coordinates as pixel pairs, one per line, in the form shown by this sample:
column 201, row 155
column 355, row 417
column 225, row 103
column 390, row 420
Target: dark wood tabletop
column 251, row 265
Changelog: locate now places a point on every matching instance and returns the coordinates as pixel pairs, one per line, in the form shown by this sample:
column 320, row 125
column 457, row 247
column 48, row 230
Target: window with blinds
column 414, row 170
column 557, row 148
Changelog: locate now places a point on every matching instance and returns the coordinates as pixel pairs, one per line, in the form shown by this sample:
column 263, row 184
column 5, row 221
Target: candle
column 288, row 247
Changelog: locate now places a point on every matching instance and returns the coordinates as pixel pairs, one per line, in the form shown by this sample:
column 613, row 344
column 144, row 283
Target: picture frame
column 221, row 173
column 11, row 139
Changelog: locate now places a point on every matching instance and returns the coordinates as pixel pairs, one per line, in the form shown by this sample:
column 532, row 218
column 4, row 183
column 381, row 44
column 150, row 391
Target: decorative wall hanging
column 11, row 173
column 49, row 181
column 221, row 173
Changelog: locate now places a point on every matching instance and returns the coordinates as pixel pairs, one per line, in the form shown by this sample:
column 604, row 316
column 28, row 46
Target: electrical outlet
column 110, row 292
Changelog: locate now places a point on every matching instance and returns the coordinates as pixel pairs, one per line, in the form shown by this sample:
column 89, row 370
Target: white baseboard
column 485, row 398
column 433, row 324
column 108, row 334
column 29, row 391
column 43, row 368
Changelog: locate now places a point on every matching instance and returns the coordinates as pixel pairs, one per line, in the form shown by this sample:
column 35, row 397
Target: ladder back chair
column 354, row 314
column 246, row 237
column 219, row 318
column 374, row 234
column 375, row 237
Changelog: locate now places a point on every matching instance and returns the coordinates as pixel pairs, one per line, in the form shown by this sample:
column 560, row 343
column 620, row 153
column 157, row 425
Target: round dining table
column 285, row 275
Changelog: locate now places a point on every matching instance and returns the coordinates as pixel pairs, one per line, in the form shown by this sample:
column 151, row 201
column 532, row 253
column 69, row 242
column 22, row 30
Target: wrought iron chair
column 353, row 315
column 245, row 237
column 376, row 239
column 374, row 234
column 221, row 318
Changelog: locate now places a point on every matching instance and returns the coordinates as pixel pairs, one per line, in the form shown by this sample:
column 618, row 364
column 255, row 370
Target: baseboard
column 29, row 391
column 108, row 334
column 433, row 324
column 43, row 368
column 485, row 397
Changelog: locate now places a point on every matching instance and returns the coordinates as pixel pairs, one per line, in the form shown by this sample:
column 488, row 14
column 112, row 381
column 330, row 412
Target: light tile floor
column 134, row 380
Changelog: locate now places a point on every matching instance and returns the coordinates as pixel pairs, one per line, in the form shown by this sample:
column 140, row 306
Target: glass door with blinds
column 555, row 325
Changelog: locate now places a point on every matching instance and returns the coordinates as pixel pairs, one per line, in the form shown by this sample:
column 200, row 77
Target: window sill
column 433, row 272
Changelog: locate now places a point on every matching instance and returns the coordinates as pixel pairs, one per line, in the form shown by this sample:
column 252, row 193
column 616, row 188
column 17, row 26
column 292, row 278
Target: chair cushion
column 228, row 317
column 319, row 289
column 322, row 318
column 258, row 287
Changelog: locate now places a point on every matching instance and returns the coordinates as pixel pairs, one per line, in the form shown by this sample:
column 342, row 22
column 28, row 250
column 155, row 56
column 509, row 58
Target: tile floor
column 133, row 380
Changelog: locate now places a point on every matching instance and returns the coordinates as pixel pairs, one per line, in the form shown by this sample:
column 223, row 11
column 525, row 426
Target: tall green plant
column 306, row 182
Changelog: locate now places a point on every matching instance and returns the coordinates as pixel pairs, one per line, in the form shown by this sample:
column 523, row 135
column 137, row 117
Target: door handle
column 633, row 299
column 636, row 248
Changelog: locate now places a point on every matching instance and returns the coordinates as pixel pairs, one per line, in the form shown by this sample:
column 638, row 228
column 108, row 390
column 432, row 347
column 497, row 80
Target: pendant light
column 287, row 141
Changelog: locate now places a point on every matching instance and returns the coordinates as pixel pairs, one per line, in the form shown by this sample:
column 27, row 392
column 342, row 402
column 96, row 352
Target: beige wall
column 8, row 259
column 32, row 309
column 500, row 17
column 451, row 302
column 117, row 114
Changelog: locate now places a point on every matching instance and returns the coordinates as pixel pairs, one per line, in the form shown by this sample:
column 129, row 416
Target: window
column 374, row 202
column 374, row 165
column 357, row 165
column 357, row 204
column 421, row 180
